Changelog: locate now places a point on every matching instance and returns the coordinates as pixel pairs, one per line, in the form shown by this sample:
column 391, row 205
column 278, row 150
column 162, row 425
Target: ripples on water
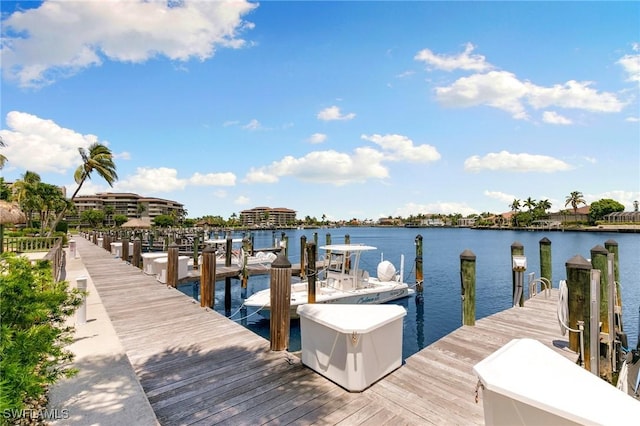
column 440, row 313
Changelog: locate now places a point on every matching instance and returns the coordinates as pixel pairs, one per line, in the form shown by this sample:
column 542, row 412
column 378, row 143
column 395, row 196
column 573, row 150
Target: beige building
column 127, row 204
column 267, row 217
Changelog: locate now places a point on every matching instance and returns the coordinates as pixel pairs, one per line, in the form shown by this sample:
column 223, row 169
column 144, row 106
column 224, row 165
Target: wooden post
column 517, row 249
column 599, row 261
column 612, row 247
column 419, row 276
column 311, row 272
column 136, row 258
column 303, row 245
column 578, row 286
column 208, row 278
column 545, row 260
column 246, row 249
column 468, row 287
column 172, row 265
column 315, row 238
column 125, row 249
column 196, row 244
column 227, row 280
column 150, row 242
column 280, row 285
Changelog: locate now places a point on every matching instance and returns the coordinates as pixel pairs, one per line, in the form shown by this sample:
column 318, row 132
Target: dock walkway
column 197, row 367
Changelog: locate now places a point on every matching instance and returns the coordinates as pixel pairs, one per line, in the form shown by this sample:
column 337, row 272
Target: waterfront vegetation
column 33, row 308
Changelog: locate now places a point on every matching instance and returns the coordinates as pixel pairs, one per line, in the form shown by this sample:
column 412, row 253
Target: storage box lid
column 351, row 318
column 525, row 370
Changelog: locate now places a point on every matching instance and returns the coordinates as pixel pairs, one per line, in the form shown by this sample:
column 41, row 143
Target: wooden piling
column 419, row 276
column 545, row 260
column 599, row 261
column 196, row 247
column 579, row 288
column 612, row 247
column 280, row 285
column 517, row 249
column 227, row 281
column 172, row 265
column 347, row 257
column 136, row 258
column 303, row 248
column 125, row 249
column 311, row 271
column 246, row 249
column 468, row 287
column 208, row 278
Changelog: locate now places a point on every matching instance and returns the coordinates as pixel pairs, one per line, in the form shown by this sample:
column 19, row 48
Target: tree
column 544, row 205
column 574, row 199
column 599, row 209
column 93, row 216
column 119, row 219
column 5, row 191
column 3, row 159
column 515, row 205
column 25, row 193
column 98, row 158
column 163, row 220
column 529, row 203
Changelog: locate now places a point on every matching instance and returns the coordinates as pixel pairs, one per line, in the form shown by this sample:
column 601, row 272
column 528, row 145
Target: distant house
column 568, row 215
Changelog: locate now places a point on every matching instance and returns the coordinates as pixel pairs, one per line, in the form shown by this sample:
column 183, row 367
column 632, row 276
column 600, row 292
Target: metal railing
column 29, row 244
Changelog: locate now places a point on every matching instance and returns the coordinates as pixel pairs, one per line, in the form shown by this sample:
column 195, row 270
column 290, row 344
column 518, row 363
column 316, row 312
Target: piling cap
column 610, row 243
column 578, row 262
column 545, row 241
column 517, row 244
column 599, row 250
column 281, row 261
column 467, row 255
column 208, row 249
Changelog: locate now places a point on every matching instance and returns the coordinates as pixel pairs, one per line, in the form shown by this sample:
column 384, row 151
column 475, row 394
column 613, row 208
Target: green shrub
column 33, row 308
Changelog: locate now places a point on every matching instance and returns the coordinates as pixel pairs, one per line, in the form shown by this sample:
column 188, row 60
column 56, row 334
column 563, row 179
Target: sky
column 350, row 109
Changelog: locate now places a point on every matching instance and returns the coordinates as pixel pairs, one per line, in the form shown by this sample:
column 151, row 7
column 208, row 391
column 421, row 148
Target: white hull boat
column 238, row 255
column 341, row 282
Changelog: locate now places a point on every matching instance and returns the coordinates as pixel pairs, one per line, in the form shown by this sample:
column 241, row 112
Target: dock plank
column 198, row 367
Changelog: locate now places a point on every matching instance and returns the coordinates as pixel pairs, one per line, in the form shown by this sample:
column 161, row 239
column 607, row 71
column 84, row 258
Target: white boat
column 342, row 281
column 237, row 255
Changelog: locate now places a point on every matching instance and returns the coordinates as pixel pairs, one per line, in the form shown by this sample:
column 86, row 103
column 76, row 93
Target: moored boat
column 342, row 281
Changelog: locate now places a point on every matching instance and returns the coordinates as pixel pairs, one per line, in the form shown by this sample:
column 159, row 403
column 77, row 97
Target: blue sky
column 344, row 109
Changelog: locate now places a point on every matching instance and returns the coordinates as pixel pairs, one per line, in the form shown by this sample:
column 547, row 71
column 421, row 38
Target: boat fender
column 386, row 271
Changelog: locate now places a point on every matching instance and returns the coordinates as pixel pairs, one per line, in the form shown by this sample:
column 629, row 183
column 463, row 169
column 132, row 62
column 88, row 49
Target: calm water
column 440, row 312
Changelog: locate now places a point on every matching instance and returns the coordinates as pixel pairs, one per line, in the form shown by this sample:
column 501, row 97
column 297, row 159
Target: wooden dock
column 198, row 367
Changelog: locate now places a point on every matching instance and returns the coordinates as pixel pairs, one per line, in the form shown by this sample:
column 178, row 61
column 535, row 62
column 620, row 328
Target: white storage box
column 160, row 265
column 116, row 249
column 148, row 265
column 526, row 382
column 352, row 345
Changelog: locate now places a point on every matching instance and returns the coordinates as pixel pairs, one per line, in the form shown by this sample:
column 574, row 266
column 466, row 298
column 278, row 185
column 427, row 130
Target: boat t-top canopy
column 347, row 247
column 222, row 241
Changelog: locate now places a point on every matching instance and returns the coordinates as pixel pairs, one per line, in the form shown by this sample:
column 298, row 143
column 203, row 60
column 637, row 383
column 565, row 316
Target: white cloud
column 573, row 94
column 325, row 167
column 242, row 200
column 152, row 180
column 317, row 138
column 499, row 89
column 632, row 119
column 553, row 117
column 333, row 113
column 464, row 60
column 506, row 161
column 124, row 155
column 213, row 179
column 631, row 63
column 230, row 123
column 252, row 125
column 401, row 148
column 42, row 145
column 61, row 38
column 500, row 196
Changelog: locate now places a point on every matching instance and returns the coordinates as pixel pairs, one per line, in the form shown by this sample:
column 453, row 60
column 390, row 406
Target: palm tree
column 25, row 192
column 515, row 205
column 529, row 203
column 3, row 159
column 544, row 205
column 574, row 199
column 98, row 158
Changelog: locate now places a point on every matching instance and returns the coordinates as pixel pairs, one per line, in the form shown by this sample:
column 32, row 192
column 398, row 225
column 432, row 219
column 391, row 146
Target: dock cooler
column 148, row 265
column 352, row 345
column 525, row 382
column 160, row 265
